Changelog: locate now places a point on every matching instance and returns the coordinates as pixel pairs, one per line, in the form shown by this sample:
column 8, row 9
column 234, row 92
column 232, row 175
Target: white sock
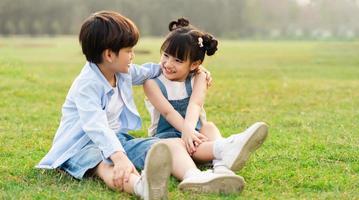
column 217, row 162
column 138, row 188
column 219, row 167
column 191, row 173
column 218, row 148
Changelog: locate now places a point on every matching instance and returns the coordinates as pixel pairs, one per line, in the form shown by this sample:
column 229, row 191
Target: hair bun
column 181, row 22
column 210, row 44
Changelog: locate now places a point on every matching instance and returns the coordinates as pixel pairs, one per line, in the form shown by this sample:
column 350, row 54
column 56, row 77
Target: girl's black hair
column 188, row 42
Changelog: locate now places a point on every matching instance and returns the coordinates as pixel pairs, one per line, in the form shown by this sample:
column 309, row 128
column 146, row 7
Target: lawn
column 308, row 93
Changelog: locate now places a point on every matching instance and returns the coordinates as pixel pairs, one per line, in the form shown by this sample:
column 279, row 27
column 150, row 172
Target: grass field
column 308, row 92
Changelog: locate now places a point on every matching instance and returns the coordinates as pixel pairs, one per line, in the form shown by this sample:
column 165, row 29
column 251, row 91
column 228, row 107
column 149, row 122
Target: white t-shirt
column 175, row 91
column 114, row 110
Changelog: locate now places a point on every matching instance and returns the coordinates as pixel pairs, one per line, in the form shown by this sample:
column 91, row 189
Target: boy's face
column 175, row 69
column 121, row 62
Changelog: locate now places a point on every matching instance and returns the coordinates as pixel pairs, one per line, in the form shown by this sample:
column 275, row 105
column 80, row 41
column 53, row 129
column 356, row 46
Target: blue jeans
column 90, row 155
column 168, row 134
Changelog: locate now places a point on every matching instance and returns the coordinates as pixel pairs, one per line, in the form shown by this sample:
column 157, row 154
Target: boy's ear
column 107, row 55
column 195, row 65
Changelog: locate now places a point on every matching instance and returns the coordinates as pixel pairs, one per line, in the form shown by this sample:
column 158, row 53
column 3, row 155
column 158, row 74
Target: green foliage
column 255, row 19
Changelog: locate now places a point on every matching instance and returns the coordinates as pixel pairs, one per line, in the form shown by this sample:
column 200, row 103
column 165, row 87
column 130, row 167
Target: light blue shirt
column 84, row 113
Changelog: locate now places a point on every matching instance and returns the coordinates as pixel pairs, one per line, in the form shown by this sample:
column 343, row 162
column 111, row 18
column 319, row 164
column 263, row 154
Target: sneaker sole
column 254, row 142
column 224, row 184
column 158, row 168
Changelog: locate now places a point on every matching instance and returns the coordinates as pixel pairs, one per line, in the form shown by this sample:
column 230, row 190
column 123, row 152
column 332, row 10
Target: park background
column 293, row 64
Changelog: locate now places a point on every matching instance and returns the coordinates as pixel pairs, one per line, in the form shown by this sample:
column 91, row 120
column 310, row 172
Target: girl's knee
column 210, row 130
column 209, row 125
column 174, row 142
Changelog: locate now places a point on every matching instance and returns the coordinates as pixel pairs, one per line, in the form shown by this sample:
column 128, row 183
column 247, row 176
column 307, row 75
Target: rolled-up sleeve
column 93, row 118
column 140, row 73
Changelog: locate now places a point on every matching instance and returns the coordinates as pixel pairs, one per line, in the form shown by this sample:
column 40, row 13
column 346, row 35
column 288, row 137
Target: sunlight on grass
column 306, row 91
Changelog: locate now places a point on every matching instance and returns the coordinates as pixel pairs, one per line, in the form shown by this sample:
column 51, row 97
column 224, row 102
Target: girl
column 176, row 98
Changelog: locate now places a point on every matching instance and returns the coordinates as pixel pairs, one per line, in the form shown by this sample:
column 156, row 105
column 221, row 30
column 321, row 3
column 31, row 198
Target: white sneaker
column 238, row 148
column 209, row 182
column 157, row 171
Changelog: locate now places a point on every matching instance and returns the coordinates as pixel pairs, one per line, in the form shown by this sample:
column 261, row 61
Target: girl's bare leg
column 210, row 130
column 204, row 152
column 192, row 179
column 181, row 161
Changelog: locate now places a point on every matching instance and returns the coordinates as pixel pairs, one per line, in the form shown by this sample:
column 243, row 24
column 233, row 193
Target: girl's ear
column 195, row 65
column 107, row 55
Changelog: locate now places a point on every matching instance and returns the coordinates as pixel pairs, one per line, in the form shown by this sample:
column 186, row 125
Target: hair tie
column 200, row 42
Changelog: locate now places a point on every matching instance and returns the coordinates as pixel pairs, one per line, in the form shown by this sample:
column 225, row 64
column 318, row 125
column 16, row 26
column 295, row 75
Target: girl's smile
column 168, row 70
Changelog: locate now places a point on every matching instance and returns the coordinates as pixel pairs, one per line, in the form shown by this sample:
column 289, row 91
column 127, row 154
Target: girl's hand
column 192, row 140
column 202, row 137
column 208, row 75
column 122, row 170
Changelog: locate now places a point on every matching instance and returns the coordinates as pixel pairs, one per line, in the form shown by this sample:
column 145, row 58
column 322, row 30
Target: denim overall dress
column 164, row 128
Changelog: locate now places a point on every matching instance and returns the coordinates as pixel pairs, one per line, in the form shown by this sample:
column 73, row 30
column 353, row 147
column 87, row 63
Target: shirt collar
column 108, row 87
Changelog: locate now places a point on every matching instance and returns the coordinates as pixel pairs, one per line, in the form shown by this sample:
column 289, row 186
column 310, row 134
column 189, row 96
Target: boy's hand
column 192, row 140
column 122, row 169
column 208, row 75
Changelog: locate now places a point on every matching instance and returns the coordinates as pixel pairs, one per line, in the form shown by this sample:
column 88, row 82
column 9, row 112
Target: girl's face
column 175, row 69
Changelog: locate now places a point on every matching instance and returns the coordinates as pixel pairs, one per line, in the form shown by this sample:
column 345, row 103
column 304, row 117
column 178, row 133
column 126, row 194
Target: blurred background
column 244, row 19
column 293, row 64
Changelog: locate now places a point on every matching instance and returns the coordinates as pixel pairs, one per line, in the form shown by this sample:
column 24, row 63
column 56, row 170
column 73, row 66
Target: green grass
column 308, row 92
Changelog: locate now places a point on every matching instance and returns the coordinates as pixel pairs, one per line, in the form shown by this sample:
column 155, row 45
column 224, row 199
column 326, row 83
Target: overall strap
column 189, row 85
column 162, row 87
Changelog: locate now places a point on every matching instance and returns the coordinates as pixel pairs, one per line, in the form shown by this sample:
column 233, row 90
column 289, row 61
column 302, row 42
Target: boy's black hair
column 106, row 30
